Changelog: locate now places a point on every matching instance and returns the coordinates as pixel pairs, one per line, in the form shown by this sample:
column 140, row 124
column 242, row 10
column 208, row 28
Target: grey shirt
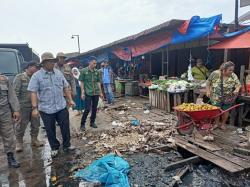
column 49, row 87
column 8, row 96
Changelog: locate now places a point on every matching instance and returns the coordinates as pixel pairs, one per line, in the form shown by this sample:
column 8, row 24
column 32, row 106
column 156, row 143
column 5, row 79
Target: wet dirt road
column 38, row 170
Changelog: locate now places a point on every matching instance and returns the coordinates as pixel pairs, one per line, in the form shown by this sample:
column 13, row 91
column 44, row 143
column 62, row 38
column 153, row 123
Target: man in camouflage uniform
column 66, row 70
column 21, row 83
column 9, row 107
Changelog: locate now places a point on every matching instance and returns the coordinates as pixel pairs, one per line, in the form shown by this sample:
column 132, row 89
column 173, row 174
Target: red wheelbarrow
column 201, row 120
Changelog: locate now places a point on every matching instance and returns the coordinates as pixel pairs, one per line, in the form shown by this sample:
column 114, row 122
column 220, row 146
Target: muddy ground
column 114, row 134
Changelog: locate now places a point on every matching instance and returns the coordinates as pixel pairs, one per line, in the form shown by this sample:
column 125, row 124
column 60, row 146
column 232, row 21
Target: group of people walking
column 47, row 90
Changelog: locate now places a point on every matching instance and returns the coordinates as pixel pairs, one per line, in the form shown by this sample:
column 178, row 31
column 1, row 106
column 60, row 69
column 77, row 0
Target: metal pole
column 236, row 21
column 79, row 50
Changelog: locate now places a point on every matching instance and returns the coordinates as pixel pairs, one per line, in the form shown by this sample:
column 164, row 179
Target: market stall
column 165, row 94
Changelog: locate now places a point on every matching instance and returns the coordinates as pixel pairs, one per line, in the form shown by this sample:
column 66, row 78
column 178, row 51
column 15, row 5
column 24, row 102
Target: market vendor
column 223, row 87
column 199, row 71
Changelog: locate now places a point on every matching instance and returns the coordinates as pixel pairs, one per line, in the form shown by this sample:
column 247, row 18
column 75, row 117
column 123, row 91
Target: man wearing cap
column 48, row 87
column 66, row 70
column 21, row 83
column 9, row 108
column 91, row 90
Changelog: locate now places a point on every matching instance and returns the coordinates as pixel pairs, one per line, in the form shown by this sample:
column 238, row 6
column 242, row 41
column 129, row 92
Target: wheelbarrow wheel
column 182, row 129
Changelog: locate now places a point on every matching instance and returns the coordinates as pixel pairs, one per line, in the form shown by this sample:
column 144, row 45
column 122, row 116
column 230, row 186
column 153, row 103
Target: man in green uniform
column 91, row 90
column 66, row 70
column 9, row 107
column 21, row 83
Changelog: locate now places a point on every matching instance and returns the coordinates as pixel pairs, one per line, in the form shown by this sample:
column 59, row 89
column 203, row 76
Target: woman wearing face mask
column 77, row 99
column 223, row 87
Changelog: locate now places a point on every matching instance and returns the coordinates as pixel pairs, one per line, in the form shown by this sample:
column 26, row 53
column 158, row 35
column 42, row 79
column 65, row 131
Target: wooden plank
column 225, row 164
column 232, row 158
column 168, row 102
column 241, row 151
column 179, row 175
column 228, row 156
column 181, row 163
column 228, row 137
column 197, row 140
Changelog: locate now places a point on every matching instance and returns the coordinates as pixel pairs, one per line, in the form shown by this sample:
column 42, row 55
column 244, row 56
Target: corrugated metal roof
column 168, row 25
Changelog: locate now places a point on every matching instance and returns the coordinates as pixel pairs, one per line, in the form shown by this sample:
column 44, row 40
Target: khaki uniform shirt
column 66, row 70
column 90, row 80
column 7, row 95
column 20, row 84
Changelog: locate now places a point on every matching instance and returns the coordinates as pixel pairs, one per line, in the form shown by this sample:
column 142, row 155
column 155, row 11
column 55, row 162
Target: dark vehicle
column 27, row 52
column 11, row 61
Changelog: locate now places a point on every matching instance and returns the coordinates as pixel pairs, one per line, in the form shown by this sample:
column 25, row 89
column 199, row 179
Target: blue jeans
column 49, row 120
column 108, row 92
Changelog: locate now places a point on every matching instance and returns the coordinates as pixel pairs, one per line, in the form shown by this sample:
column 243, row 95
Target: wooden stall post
column 242, row 77
column 162, row 62
column 150, row 63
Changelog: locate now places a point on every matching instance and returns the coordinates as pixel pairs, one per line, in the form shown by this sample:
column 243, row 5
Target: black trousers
column 49, row 120
column 91, row 102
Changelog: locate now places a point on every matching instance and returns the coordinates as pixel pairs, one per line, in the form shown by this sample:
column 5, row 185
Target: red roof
column 237, row 42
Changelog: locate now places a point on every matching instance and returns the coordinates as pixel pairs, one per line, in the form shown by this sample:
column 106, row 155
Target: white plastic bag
column 100, row 103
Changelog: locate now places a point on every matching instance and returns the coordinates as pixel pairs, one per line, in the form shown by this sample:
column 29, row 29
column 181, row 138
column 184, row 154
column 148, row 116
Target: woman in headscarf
column 77, row 99
column 223, row 87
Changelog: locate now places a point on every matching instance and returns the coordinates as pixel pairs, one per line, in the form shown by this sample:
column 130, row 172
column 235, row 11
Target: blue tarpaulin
column 110, row 170
column 231, row 34
column 197, row 28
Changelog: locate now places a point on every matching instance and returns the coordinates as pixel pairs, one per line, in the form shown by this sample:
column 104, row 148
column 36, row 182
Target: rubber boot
column 12, row 162
column 19, row 146
column 36, row 142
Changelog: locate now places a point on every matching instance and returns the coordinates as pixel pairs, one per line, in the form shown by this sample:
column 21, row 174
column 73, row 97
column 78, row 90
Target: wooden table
column 165, row 100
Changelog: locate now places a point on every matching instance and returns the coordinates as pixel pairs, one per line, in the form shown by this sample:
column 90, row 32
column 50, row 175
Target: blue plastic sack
column 110, row 170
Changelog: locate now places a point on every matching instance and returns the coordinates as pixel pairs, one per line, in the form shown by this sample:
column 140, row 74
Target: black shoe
column 12, row 162
column 69, row 149
column 93, row 125
column 82, row 128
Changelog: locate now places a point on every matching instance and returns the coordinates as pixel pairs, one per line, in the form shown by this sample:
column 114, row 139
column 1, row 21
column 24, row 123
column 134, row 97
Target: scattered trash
column 146, row 112
column 158, row 123
column 53, row 179
column 121, row 112
column 239, row 131
column 116, row 123
column 110, row 170
column 133, row 104
column 135, row 122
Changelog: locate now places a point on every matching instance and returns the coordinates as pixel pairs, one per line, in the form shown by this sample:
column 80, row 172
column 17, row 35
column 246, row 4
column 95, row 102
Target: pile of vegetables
column 175, row 85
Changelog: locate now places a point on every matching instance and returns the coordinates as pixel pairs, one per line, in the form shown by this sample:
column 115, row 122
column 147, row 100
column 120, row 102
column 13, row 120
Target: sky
column 47, row 25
